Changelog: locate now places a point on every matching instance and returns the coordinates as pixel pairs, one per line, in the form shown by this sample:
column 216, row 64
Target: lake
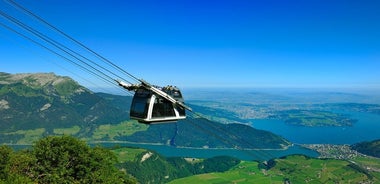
column 367, row 128
column 170, row 151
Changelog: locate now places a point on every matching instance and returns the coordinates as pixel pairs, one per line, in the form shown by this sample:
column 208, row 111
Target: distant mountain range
column 258, row 96
column 40, row 104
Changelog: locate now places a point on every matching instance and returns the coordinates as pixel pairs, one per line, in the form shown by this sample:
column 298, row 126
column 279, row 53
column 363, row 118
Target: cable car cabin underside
column 151, row 105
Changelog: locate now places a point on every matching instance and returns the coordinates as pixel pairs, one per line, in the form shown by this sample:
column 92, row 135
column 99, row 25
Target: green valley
column 291, row 169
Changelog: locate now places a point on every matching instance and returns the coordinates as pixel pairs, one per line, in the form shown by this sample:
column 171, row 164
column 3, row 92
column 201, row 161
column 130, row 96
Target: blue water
column 170, row 151
column 367, row 128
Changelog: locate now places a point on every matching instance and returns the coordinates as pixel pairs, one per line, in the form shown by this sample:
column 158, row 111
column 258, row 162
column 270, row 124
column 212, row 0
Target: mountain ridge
column 46, row 98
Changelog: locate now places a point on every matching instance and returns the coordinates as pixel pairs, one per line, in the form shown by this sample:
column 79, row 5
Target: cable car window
column 140, row 103
column 162, row 108
column 139, row 109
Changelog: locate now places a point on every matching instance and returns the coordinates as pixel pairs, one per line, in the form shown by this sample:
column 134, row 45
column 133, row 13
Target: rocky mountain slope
column 29, row 101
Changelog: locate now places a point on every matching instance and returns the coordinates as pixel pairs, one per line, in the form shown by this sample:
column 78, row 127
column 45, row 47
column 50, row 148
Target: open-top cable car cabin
column 148, row 107
column 153, row 105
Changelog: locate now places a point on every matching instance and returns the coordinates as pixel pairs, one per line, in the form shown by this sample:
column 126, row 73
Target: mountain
column 44, row 100
column 201, row 133
column 151, row 167
column 36, row 105
column 371, row 148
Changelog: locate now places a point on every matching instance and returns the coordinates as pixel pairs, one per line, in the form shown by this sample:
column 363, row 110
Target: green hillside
column 244, row 173
column 292, row 169
column 150, row 167
column 35, row 105
column 371, row 148
column 30, row 101
column 208, row 134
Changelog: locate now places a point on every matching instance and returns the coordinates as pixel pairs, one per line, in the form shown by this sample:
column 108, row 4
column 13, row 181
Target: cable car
column 151, row 105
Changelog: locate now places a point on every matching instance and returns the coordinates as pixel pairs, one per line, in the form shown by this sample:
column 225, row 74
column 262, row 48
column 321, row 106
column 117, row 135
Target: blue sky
column 303, row 44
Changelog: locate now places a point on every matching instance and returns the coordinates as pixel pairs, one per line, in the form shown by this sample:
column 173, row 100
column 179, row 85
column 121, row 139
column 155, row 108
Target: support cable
column 64, row 68
column 56, row 53
column 52, row 42
column 28, row 12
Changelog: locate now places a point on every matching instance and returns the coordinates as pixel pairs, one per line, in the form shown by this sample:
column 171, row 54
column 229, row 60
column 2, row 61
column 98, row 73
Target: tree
column 5, row 153
column 15, row 167
column 21, row 167
column 66, row 159
column 60, row 160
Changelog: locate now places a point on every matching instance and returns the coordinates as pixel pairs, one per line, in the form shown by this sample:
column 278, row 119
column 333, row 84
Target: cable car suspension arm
column 155, row 90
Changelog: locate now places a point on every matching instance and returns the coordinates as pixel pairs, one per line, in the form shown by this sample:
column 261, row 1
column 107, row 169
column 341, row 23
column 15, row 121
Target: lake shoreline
column 184, row 147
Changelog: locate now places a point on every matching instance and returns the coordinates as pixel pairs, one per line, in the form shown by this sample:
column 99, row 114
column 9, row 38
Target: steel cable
column 105, row 60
